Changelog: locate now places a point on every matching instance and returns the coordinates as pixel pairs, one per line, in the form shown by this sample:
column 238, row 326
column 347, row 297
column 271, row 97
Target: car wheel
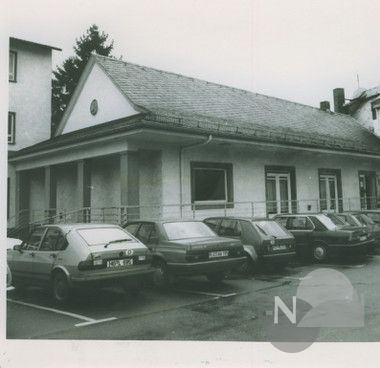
column 61, row 288
column 160, row 276
column 216, row 277
column 248, row 267
column 319, row 252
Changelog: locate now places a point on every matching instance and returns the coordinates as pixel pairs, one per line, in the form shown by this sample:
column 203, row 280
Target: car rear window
column 187, row 230
column 102, row 235
column 336, row 219
column 271, row 228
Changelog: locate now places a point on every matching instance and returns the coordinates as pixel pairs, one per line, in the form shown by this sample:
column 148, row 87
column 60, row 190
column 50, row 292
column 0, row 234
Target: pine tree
column 66, row 77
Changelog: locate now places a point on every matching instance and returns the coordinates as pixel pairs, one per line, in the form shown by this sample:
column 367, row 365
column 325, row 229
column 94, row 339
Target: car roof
column 161, row 221
column 369, row 211
column 80, row 226
column 245, row 218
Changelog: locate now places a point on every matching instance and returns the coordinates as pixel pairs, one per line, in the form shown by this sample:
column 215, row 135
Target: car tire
column 249, row 267
column 160, row 276
column 319, row 252
column 61, row 288
column 215, row 277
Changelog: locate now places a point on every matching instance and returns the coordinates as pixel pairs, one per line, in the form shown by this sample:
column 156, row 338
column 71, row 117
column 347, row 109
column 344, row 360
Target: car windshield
column 271, row 228
column 103, row 235
column 187, row 230
column 327, row 222
column 352, row 220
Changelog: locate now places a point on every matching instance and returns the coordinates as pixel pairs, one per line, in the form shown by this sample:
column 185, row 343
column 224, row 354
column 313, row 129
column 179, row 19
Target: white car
column 11, row 242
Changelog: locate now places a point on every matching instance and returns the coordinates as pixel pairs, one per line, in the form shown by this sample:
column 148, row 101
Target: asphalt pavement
column 192, row 309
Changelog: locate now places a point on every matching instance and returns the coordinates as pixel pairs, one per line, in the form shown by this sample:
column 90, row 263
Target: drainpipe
column 181, row 149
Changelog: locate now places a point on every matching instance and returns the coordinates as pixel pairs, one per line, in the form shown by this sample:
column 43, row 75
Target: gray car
column 72, row 255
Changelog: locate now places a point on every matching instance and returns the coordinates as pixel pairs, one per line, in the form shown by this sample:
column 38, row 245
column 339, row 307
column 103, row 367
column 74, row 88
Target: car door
column 302, row 229
column 47, row 253
column 21, row 261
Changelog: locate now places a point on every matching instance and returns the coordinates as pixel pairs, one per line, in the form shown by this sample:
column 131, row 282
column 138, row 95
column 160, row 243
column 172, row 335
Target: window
column 187, row 230
column 299, row 223
column 103, row 235
column 34, row 239
column 230, row 228
column 146, row 232
column 272, row 228
column 53, row 241
column 374, row 113
column 132, row 228
column 280, row 190
column 11, row 127
column 211, row 184
column 330, row 190
column 212, row 223
column 12, row 66
column 8, row 196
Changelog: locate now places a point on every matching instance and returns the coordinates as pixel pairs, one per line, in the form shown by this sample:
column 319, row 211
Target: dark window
column 132, row 228
column 11, row 127
column 8, row 196
column 12, row 66
column 374, row 113
column 299, row 223
column 211, row 184
column 212, row 223
column 318, row 224
column 34, row 239
column 230, row 228
column 146, row 232
column 53, row 240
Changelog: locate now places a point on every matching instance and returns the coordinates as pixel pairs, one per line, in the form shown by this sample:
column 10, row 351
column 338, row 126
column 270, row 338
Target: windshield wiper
column 117, row 241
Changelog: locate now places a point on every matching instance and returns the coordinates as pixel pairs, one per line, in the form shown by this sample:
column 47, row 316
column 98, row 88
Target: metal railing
column 121, row 214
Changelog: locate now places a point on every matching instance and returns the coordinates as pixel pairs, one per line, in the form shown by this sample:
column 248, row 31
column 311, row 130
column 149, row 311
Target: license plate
column 279, row 247
column 362, row 238
column 119, row 262
column 219, row 253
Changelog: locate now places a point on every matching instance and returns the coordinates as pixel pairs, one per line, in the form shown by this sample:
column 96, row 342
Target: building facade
column 139, row 142
column 29, row 113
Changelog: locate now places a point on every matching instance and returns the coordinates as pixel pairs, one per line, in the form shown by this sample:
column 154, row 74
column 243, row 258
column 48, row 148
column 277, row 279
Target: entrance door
column 328, row 192
column 278, row 193
column 367, row 187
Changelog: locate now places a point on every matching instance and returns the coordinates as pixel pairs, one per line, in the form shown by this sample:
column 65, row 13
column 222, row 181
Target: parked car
column 317, row 237
column 372, row 227
column 69, row 256
column 264, row 241
column 11, row 242
column 187, row 248
column 373, row 214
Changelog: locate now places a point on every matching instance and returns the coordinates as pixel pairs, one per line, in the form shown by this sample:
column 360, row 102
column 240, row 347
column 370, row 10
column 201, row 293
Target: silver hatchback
column 71, row 255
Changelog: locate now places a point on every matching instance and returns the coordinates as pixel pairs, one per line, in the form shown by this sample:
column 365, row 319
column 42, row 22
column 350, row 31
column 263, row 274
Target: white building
column 140, row 142
column 29, row 113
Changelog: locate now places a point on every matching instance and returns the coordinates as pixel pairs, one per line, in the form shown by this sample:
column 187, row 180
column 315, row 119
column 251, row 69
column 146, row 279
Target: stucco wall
column 30, row 95
column 111, row 102
column 364, row 115
column 67, row 188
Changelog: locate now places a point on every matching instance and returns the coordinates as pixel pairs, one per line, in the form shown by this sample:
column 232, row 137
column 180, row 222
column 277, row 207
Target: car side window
column 34, row 239
column 299, row 223
column 146, row 232
column 230, row 228
column 282, row 221
column 53, row 240
column 318, row 224
column 132, row 228
column 212, row 223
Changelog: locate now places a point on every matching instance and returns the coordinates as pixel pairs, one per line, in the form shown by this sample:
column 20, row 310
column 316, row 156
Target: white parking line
column 73, row 315
column 206, row 293
column 95, row 321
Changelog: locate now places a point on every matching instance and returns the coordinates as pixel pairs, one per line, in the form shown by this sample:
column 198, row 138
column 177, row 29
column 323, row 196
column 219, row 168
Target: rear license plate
column 119, row 263
column 219, row 253
column 279, row 247
column 362, row 238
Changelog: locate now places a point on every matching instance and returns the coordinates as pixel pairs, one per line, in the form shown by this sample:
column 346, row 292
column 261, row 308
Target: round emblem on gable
column 94, row 107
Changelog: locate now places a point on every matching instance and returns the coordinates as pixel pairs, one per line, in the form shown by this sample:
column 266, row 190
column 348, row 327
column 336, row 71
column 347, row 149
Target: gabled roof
column 166, row 93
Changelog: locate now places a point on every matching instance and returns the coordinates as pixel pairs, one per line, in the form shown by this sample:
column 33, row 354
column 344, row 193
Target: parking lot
column 191, row 309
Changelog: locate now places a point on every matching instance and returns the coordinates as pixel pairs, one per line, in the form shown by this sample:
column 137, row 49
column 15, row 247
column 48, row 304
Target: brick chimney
column 339, row 100
column 324, row 105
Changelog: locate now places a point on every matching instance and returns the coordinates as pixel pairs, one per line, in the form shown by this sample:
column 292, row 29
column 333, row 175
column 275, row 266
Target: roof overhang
column 33, row 44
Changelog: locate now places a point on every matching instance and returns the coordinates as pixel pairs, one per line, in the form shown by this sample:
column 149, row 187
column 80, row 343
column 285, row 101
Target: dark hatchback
column 317, row 237
column 264, row 241
column 181, row 248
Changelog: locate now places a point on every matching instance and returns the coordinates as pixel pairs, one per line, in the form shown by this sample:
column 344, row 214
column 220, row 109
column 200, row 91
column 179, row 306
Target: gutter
column 180, row 155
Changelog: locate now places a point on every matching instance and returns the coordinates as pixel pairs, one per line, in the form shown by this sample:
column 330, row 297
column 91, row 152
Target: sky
column 294, row 49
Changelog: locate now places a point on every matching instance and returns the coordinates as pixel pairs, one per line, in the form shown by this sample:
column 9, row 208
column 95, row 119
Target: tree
column 66, row 77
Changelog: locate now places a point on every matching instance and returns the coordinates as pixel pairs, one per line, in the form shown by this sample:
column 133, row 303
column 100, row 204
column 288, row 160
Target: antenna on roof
column 357, row 78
